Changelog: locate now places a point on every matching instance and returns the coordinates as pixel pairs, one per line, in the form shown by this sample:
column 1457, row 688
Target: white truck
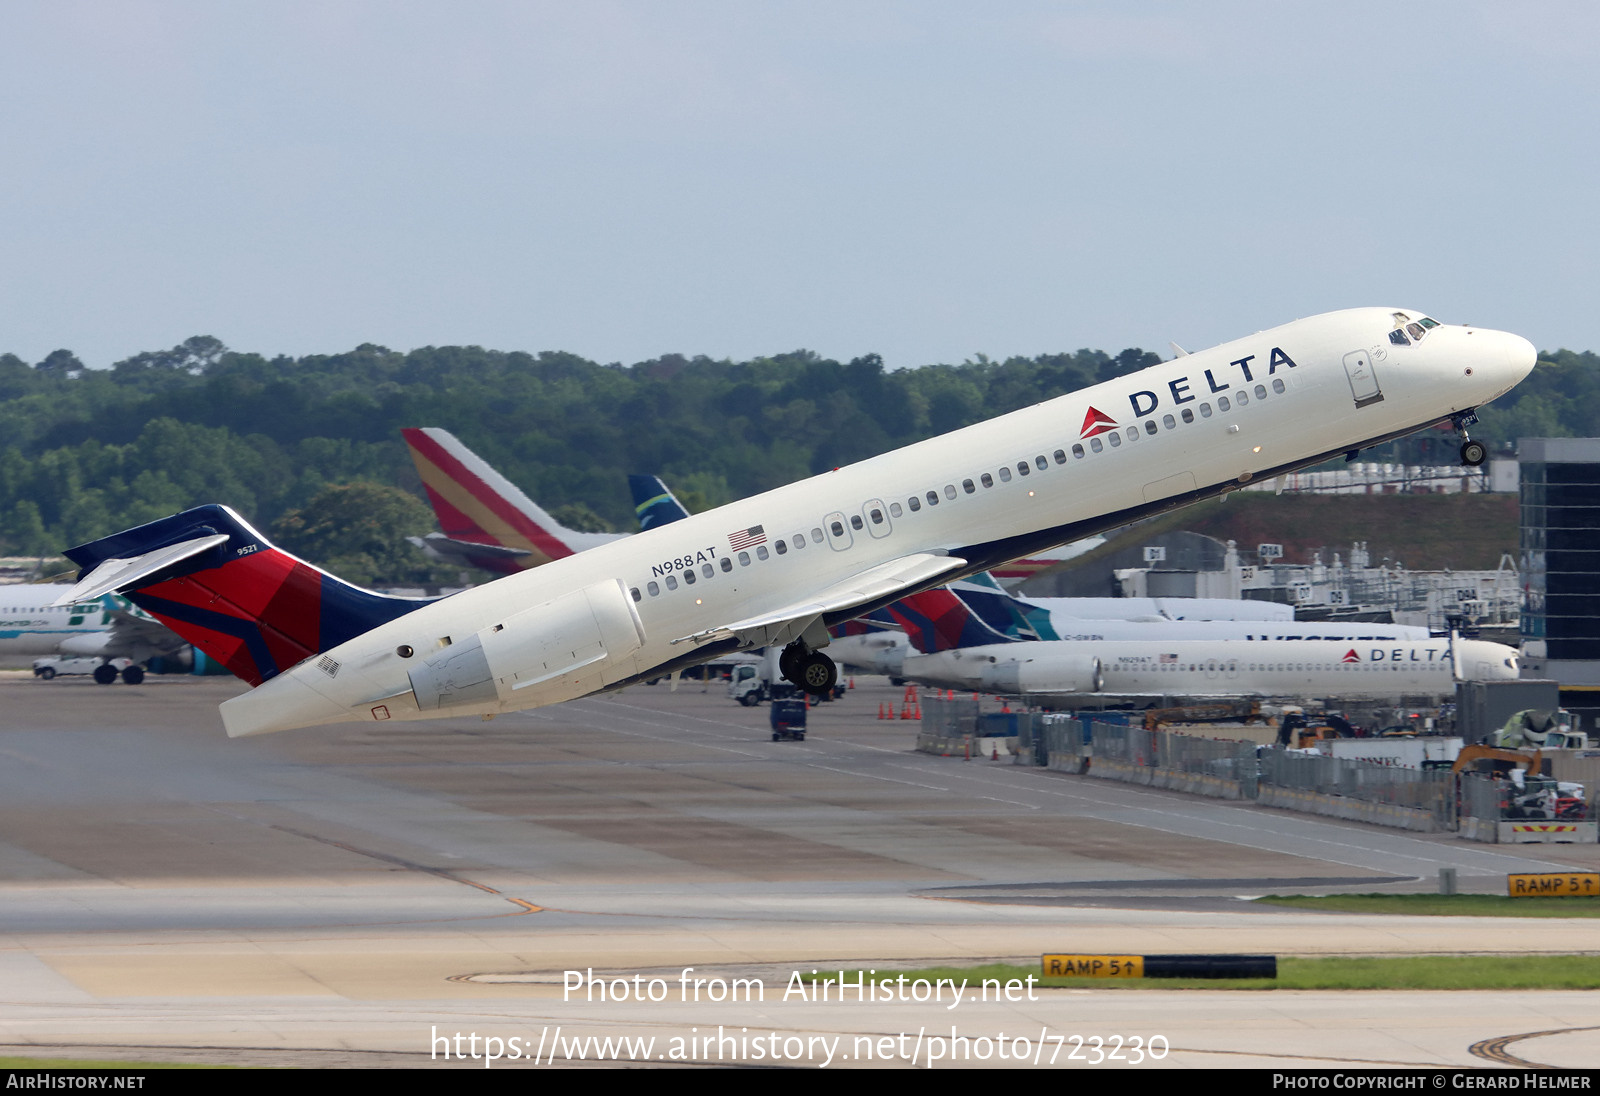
column 1399, row 753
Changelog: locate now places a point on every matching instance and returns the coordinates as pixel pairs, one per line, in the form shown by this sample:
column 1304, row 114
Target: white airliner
column 34, row 622
column 780, row 567
column 1073, row 671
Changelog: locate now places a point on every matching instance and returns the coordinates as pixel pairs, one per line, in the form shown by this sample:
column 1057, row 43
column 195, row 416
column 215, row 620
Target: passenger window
column 1223, row 404
column 1186, row 414
column 1241, row 397
column 837, row 527
column 799, row 540
column 761, row 551
column 949, row 490
column 688, row 575
column 672, row 583
column 1094, row 443
column 1261, row 391
column 1150, row 426
column 855, row 522
column 1114, row 438
column 1169, row 422
column 1133, row 433
column 1040, row 463
column 655, row 590
column 1205, row 410
column 894, row 510
column 1005, row 474
column 727, row 565
column 635, row 592
column 1277, row 385
column 968, row 486
column 986, row 479
column 782, row 546
column 1077, row 450
column 816, row 535
column 912, row 502
column 1061, row 456
column 707, row 570
column 933, row 498
column 744, row 559
column 1022, row 468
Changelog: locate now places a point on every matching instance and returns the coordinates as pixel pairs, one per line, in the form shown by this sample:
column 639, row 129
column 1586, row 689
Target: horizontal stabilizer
column 115, row 574
column 875, row 584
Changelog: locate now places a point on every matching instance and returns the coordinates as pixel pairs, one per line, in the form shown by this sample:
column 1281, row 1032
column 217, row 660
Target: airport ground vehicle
column 788, row 718
column 104, row 672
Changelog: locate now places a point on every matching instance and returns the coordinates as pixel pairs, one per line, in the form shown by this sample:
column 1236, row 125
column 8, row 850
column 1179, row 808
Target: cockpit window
column 1416, row 331
column 1398, row 337
column 1426, row 322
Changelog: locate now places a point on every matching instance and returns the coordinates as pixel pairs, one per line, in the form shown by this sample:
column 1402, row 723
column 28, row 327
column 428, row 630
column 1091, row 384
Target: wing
column 873, row 586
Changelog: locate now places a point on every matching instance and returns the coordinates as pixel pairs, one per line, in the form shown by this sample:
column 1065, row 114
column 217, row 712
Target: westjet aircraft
column 781, row 567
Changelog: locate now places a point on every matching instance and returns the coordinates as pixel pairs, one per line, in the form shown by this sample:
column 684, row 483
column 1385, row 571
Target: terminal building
column 1560, row 564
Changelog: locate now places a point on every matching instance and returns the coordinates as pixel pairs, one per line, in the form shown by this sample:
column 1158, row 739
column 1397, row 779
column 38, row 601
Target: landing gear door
column 1363, row 377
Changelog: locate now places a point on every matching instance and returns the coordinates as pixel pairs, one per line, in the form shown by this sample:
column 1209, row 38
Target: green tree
column 358, row 531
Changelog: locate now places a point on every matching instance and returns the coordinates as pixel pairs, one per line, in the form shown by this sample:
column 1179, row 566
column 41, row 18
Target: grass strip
column 1441, row 905
column 1339, row 972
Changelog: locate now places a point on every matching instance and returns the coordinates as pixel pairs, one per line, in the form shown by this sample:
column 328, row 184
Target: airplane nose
column 1520, row 355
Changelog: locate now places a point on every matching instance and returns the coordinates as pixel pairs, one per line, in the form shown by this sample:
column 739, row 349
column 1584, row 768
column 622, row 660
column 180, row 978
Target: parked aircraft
column 782, row 566
column 34, row 621
column 486, row 521
column 942, row 625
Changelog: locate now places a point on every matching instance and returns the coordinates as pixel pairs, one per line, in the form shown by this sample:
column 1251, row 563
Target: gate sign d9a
column 1582, row 884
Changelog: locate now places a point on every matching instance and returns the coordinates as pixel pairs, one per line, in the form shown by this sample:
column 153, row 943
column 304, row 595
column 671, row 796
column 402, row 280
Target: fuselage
column 1063, row 469
column 1342, row 669
column 30, row 625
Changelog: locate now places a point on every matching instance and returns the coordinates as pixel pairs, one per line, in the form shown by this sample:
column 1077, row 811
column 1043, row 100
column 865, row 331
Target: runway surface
column 350, row 895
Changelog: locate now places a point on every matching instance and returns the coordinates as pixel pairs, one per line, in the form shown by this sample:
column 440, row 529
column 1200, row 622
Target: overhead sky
column 924, row 180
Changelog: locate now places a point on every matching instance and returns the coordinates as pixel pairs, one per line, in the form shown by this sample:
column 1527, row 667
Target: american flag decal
column 1168, row 658
column 746, row 538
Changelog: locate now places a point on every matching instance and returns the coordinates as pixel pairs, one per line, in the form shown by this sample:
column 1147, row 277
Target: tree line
column 85, row 452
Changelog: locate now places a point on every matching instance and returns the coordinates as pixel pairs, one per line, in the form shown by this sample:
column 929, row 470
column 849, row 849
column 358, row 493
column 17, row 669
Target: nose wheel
column 1473, row 453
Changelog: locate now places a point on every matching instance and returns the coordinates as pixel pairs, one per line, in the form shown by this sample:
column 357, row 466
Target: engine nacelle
column 552, row 652
column 1052, row 674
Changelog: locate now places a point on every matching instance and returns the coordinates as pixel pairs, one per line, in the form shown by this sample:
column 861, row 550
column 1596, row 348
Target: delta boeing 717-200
column 783, row 566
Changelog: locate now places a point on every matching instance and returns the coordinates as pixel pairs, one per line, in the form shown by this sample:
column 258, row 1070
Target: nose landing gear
column 1473, row 453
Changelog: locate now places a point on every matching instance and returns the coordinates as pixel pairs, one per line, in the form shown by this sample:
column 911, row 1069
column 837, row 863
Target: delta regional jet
column 783, row 566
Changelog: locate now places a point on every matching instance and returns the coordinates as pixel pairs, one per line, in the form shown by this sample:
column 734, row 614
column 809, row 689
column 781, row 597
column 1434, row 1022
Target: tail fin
column 210, row 577
column 654, row 503
column 937, row 620
column 1003, row 611
column 478, row 507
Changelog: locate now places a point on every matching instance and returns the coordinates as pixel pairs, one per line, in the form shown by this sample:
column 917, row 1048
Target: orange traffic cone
column 996, row 756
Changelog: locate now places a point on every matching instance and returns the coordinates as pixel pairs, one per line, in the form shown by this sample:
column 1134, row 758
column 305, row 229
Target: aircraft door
column 876, row 515
column 838, row 527
column 1363, row 377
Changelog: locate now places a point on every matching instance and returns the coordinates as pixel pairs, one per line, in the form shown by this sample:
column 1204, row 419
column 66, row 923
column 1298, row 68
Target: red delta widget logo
column 1095, row 422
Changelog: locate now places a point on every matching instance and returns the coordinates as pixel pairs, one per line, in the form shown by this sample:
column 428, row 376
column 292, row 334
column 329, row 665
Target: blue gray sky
column 924, row 180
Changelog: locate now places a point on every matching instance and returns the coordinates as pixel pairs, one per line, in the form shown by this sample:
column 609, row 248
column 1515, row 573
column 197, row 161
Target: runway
column 343, row 895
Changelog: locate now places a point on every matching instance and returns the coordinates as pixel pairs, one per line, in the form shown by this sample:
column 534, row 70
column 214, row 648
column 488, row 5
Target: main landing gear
column 1473, row 453
column 814, row 672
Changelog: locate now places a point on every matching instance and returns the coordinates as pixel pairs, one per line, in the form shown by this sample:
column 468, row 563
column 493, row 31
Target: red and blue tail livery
column 225, row 588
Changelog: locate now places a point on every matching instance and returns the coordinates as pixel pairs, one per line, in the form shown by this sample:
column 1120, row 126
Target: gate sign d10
column 1581, row 884
column 1093, row 966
